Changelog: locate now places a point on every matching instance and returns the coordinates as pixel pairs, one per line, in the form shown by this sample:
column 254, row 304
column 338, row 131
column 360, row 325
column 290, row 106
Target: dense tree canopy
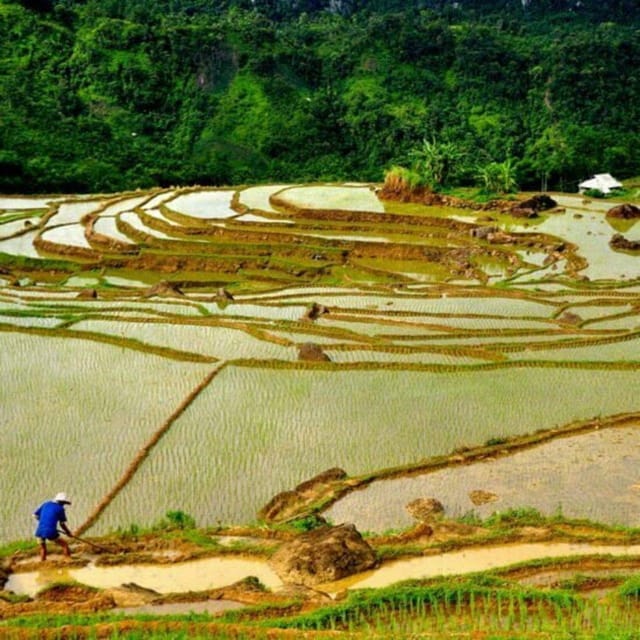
column 114, row 94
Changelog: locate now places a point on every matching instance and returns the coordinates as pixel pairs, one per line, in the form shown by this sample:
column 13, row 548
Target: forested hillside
column 105, row 95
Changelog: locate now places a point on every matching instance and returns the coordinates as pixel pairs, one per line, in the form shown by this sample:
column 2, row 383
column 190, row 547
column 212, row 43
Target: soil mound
column 87, row 294
column 312, row 352
column 570, row 318
column 163, row 288
column 287, row 504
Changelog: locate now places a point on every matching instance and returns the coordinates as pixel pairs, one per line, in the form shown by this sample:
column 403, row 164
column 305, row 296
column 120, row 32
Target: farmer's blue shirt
column 49, row 514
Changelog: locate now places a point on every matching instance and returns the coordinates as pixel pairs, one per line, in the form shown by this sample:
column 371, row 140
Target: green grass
column 7, row 550
column 467, row 605
column 482, row 606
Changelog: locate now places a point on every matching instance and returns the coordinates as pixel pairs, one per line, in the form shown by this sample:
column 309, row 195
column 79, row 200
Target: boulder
column 312, row 352
column 624, row 212
column 323, row 555
column 425, row 509
column 531, row 208
column 618, row 241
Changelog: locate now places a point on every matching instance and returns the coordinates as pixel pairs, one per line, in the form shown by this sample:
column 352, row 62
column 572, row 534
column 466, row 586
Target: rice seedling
column 68, row 388
column 218, row 342
column 563, row 467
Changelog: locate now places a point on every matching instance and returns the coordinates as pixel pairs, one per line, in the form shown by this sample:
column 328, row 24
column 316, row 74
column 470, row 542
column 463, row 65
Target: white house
column 603, row 182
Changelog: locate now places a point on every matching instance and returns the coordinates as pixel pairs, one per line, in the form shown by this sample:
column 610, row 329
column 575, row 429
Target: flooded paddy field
column 151, row 342
column 71, row 412
column 254, row 432
column 594, row 475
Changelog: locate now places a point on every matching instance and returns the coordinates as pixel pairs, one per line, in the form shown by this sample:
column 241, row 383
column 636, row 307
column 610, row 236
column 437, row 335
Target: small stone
column 424, row 509
column 478, row 497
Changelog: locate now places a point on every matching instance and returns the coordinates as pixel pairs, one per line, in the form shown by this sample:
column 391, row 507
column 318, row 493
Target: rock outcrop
column 624, row 212
column 324, row 555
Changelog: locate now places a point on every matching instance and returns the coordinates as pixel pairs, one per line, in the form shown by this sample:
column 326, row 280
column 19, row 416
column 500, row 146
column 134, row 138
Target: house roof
column 602, row 181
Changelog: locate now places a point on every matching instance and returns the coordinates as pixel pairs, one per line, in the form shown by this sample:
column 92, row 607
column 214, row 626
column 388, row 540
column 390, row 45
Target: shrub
column 176, row 520
column 399, row 179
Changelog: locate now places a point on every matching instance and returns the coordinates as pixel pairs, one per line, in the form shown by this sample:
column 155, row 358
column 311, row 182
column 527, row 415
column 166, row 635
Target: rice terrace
column 203, row 352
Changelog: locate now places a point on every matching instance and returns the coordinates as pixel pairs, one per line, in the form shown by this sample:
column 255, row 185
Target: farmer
column 49, row 515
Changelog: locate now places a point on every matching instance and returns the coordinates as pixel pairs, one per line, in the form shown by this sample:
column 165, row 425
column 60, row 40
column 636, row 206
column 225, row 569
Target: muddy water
column 470, row 561
column 199, row 575
column 218, row 572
